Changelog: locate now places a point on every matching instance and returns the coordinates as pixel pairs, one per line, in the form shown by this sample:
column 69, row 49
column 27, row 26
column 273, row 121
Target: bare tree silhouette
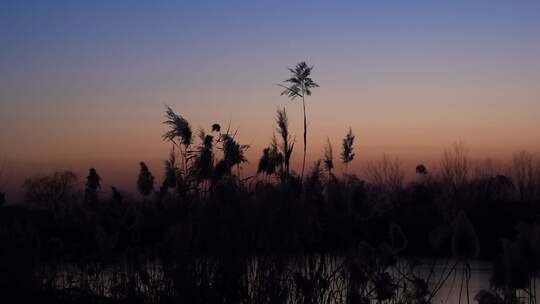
column 523, row 174
column 300, row 85
column 386, row 174
column 455, row 166
column 50, row 190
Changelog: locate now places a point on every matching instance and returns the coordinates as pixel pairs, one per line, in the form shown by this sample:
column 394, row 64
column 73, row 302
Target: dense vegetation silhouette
column 207, row 234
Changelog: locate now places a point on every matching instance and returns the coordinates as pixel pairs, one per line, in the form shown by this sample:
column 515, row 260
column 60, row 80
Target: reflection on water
column 300, row 280
column 450, row 290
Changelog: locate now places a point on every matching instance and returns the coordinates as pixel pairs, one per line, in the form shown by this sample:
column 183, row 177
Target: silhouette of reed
column 300, row 85
column 209, row 235
column 347, row 154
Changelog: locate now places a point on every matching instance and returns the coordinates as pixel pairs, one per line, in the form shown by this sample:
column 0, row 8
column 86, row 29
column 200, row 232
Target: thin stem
column 468, row 278
column 461, row 285
column 305, row 139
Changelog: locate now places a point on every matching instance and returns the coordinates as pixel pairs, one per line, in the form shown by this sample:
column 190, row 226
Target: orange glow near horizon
column 82, row 88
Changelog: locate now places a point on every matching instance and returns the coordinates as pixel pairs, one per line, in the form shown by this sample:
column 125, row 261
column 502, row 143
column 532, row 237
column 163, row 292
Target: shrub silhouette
column 145, row 181
column 116, row 195
column 93, row 184
column 421, row 169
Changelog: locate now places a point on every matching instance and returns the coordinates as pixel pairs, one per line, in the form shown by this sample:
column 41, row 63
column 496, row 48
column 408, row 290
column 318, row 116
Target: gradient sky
column 84, row 83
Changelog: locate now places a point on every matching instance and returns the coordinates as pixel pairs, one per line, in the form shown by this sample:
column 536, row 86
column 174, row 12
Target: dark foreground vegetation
column 207, row 234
